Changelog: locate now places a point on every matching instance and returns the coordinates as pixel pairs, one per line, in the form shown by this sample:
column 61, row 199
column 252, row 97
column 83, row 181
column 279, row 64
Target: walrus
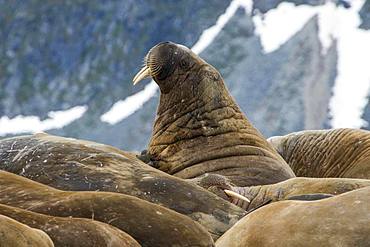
column 342, row 220
column 199, row 128
column 70, row 164
column 299, row 188
column 326, row 153
column 66, row 231
column 146, row 222
column 16, row 234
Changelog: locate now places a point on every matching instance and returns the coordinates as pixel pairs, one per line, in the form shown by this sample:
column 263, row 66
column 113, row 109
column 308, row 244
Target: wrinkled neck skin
column 199, row 128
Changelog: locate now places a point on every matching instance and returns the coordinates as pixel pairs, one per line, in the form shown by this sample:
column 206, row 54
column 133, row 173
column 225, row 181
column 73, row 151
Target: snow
column 26, row 124
column 352, row 84
column 208, row 35
column 278, row 25
column 124, row 108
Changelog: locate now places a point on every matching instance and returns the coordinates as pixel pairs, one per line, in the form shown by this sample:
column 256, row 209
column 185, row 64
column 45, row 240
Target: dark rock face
column 58, row 55
column 366, row 115
column 365, row 16
column 55, row 56
column 265, row 5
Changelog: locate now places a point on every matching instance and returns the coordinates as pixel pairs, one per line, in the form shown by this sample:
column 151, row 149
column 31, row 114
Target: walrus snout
column 155, row 61
column 221, row 186
column 161, row 61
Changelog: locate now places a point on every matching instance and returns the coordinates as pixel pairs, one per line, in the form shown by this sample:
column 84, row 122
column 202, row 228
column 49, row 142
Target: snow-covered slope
column 336, row 23
column 26, row 124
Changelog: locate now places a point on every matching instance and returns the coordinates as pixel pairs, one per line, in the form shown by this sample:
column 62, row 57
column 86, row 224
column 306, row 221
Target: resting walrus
column 341, row 153
column 199, row 128
column 78, row 165
column 66, row 231
column 342, row 220
column 299, row 188
column 16, row 234
column 147, row 227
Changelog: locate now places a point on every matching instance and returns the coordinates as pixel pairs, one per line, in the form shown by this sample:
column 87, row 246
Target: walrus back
column 327, row 153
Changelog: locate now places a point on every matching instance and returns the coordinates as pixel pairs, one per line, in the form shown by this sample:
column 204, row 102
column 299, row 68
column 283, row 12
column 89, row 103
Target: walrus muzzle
column 159, row 62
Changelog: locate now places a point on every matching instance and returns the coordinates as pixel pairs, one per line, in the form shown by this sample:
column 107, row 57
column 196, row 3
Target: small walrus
column 342, row 220
column 340, row 153
column 144, row 221
column 16, row 234
column 66, row 231
column 78, row 165
column 199, row 128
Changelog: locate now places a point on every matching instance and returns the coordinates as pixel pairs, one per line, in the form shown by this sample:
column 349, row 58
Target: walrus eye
column 184, row 63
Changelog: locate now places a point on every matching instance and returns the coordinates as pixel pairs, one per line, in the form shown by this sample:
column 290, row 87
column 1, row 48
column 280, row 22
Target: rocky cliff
column 58, row 55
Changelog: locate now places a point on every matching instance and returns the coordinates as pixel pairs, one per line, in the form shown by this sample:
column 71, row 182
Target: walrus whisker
column 236, row 195
column 155, row 71
column 153, row 64
column 155, row 68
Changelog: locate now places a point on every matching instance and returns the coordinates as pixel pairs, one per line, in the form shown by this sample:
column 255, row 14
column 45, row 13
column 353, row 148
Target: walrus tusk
column 236, row 195
column 142, row 74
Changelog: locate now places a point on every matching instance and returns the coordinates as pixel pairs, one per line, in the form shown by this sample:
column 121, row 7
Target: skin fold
column 119, row 210
column 342, row 220
column 16, row 234
column 65, row 231
column 70, row 164
column 199, row 128
column 326, row 153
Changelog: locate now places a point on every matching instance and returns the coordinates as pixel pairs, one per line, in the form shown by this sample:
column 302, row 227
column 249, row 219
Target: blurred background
column 66, row 67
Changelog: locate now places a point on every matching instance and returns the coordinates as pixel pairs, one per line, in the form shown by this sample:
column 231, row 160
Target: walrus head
column 199, row 128
column 169, row 64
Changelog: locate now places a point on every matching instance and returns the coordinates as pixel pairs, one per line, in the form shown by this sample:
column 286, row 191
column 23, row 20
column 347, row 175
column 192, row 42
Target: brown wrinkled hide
column 16, row 234
column 71, row 231
column 326, row 153
column 200, row 129
column 144, row 221
column 71, row 164
column 342, row 220
column 293, row 187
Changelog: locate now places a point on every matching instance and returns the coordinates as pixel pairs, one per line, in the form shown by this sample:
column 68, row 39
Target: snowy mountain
column 291, row 65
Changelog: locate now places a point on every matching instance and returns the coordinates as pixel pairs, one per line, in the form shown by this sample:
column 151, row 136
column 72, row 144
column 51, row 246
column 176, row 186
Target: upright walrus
column 199, row 128
column 78, row 165
column 341, row 153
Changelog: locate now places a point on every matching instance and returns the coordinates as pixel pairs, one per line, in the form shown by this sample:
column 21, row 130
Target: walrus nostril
column 164, row 43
